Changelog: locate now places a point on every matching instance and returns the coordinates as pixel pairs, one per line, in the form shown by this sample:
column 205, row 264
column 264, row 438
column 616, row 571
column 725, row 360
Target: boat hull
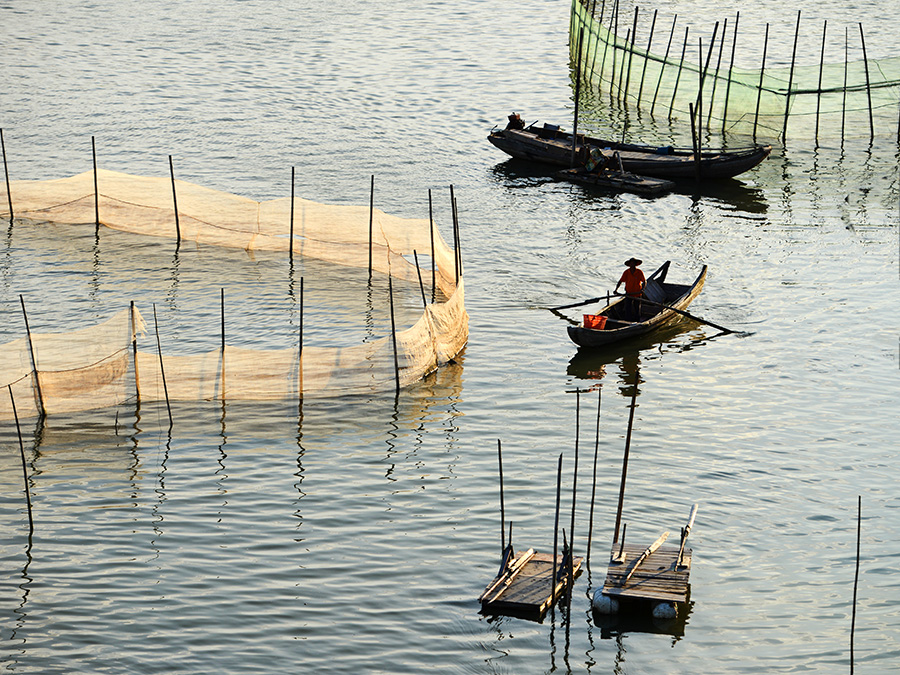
column 555, row 147
column 619, row 181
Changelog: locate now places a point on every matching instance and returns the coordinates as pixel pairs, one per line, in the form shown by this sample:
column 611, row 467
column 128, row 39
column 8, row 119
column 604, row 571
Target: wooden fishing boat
column 549, row 144
column 618, row 181
column 658, row 292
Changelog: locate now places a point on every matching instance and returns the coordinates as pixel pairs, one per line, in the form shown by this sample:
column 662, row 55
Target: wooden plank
column 658, row 578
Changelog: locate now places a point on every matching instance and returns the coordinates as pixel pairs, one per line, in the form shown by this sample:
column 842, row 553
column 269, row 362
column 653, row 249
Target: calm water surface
column 354, row 535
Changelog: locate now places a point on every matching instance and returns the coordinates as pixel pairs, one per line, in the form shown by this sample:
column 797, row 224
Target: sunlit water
column 355, row 535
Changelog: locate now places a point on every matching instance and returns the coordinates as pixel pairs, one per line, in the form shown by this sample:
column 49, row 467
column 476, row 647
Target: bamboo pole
column 162, row 371
column 787, row 105
column 394, row 335
column 24, row 464
column 137, row 381
column 678, row 75
column 571, row 570
column 762, row 71
column 96, row 191
column 862, row 39
column 419, row 273
column 615, row 46
column 704, row 69
column 291, row 236
column 502, row 505
column 663, row 66
column 577, row 98
column 819, row 88
column 712, row 95
column 457, row 261
column 855, row 578
column 556, row 534
column 625, row 460
column 646, row 56
column 620, row 93
column 610, row 37
column 596, row 35
column 34, row 369
column 222, row 306
column 594, row 478
column 737, row 19
column 300, row 349
column 630, row 57
column 175, row 201
column 371, row 218
column 695, row 143
column 6, row 173
column 431, row 235
column 844, row 97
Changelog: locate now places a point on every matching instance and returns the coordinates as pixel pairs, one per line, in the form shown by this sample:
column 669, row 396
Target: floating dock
column 524, row 588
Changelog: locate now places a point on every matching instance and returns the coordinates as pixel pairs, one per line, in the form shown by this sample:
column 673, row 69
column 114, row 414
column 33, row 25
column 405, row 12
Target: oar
column 683, row 313
column 646, row 554
column 577, row 304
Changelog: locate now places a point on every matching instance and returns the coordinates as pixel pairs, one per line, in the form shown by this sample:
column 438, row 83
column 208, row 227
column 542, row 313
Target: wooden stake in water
column 175, row 201
column 24, row 465
column 300, row 348
column 662, row 66
column 577, row 97
column 556, row 531
column 162, row 370
column 594, row 478
column 844, row 97
column 787, row 105
column 862, row 39
column 34, row 369
column 762, row 71
column 222, row 306
column 6, row 173
column 819, row 88
column 431, row 236
column 291, row 236
column 678, row 74
column 625, row 459
column 630, row 56
column 647, row 55
column 502, row 505
column 730, row 70
column 712, row 95
column 855, row 578
column 96, row 191
column 394, row 335
column 571, row 570
column 371, row 219
column 137, row 382
column 419, row 273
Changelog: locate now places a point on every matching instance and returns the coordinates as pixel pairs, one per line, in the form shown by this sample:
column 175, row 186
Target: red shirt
column 633, row 280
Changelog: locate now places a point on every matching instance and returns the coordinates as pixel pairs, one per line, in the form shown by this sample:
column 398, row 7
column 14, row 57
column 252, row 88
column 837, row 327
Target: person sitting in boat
column 596, row 162
column 634, row 281
column 515, row 121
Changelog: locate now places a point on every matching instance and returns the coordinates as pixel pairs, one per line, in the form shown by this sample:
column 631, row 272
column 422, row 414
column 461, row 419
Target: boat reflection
column 591, row 364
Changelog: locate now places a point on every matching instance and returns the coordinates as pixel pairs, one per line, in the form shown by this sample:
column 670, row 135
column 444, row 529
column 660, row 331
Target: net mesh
column 854, row 97
column 101, row 366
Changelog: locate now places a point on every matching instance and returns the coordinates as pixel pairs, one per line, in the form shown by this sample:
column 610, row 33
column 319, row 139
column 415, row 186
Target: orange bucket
column 595, row 321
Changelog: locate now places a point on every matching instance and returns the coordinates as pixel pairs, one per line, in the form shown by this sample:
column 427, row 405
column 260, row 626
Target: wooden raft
column 659, row 578
column 524, row 589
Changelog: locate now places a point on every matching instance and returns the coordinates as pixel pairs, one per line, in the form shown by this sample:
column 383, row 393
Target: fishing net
column 856, row 97
column 102, row 365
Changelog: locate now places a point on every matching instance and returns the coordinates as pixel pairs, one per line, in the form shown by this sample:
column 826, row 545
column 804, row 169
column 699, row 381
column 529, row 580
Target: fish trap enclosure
column 666, row 70
column 114, row 362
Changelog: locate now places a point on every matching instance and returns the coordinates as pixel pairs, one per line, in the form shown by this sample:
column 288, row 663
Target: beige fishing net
column 112, row 363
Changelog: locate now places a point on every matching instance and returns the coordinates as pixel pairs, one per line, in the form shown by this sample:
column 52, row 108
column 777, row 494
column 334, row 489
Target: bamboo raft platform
column 524, row 588
column 659, row 578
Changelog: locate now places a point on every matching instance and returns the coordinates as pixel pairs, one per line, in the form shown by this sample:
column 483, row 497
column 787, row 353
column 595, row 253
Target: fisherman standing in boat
column 634, row 281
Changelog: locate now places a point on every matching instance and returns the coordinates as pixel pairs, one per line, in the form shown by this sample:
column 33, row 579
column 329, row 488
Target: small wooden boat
column 549, row 144
column 658, row 292
column 618, row 181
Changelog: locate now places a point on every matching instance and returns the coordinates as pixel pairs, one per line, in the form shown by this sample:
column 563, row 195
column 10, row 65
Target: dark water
column 354, row 535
